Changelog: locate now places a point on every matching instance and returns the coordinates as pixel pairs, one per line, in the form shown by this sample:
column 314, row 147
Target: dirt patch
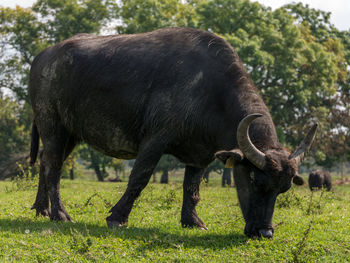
column 342, row 181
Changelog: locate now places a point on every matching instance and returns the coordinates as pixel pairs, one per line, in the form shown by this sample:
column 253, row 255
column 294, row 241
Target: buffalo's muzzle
column 267, row 233
column 256, row 232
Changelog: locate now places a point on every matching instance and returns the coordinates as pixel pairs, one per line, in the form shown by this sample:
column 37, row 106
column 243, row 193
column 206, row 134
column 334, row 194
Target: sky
column 340, row 9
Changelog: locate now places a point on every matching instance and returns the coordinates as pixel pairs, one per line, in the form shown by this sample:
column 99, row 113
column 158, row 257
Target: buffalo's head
column 261, row 176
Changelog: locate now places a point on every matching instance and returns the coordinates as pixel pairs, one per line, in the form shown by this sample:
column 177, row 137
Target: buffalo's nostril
column 267, row 233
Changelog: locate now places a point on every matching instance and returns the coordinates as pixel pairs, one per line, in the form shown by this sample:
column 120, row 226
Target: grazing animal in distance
column 114, row 180
column 178, row 91
column 319, row 179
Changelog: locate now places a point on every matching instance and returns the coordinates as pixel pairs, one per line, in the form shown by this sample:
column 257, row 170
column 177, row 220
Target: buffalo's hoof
column 115, row 224
column 192, row 222
column 45, row 212
column 61, row 216
column 41, row 211
column 199, row 225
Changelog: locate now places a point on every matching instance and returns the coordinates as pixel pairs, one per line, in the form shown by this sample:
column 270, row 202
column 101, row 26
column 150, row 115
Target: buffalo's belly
column 112, row 142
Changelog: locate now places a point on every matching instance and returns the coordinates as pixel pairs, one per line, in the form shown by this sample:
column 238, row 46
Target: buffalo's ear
column 298, row 180
column 235, row 154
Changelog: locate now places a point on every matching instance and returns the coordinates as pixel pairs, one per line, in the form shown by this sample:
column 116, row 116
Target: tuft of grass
column 169, row 199
column 289, row 199
column 25, row 180
column 79, row 243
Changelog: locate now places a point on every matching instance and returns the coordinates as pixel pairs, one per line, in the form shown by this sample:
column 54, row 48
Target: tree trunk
column 165, row 177
column 98, row 172
column 96, row 166
column 104, row 171
column 154, row 178
column 71, row 174
column 71, row 170
column 226, row 177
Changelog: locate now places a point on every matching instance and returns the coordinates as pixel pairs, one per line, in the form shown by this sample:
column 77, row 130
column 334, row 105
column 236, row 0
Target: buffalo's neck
column 263, row 134
column 247, row 101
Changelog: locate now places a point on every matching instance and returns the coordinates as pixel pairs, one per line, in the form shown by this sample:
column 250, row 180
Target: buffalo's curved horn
column 253, row 154
column 305, row 145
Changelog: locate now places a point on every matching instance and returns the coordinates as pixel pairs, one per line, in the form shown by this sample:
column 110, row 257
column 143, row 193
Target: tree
column 215, row 166
column 142, row 16
column 297, row 73
column 335, row 134
column 13, row 135
column 96, row 161
column 297, row 58
column 118, row 166
column 292, row 54
column 70, row 165
column 166, row 164
column 24, row 32
column 27, row 31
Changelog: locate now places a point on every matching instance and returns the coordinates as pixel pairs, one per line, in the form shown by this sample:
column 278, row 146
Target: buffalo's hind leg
column 41, row 204
column 147, row 159
column 56, row 149
column 189, row 217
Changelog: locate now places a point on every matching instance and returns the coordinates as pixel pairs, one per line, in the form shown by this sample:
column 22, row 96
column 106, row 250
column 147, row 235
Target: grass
column 306, row 231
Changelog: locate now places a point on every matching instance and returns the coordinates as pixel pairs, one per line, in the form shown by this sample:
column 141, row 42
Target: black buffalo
column 176, row 91
column 319, row 179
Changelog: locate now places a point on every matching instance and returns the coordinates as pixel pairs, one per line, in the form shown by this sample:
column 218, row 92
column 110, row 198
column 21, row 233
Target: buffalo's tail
column 34, row 146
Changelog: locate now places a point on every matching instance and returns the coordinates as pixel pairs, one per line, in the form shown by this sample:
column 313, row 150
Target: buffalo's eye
column 289, row 171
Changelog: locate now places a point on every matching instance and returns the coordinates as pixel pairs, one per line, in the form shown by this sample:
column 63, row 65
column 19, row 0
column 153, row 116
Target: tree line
column 297, row 58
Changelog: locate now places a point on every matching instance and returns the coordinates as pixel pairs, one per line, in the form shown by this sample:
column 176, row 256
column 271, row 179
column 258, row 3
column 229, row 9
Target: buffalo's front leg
column 189, row 217
column 147, row 159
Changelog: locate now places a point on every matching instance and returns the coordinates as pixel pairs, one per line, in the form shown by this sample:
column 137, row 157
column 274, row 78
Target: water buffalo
column 319, row 179
column 177, row 91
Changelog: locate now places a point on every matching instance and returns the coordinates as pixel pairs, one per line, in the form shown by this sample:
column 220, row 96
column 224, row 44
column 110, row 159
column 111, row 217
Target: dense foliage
column 297, row 58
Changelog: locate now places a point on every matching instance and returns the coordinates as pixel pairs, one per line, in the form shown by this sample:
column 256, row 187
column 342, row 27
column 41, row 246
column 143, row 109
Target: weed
column 79, row 243
column 25, row 180
column 312, row 209
column 301, row 244
column 89, row 200
column 315, row 207
column 169, row 200
column 289, row 199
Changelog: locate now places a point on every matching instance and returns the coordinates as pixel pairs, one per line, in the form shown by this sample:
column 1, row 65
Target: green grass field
column 307, row 229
